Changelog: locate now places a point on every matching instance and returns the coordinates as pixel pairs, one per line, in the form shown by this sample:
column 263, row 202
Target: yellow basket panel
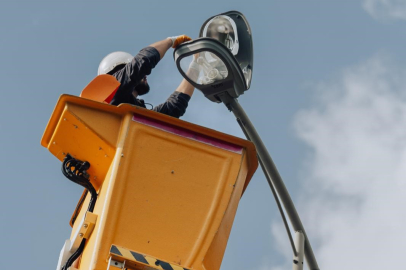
column 167, row 188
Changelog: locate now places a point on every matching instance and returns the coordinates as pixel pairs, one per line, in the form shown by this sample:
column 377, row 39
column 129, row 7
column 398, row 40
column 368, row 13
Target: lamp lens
column 204, row 68
column 224, row 29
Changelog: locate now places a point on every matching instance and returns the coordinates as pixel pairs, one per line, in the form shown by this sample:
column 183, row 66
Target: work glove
column 194, row 70
column 177, row 40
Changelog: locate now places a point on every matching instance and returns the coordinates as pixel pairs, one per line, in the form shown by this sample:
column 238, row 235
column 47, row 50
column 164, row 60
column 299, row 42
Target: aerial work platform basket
column 168, row 190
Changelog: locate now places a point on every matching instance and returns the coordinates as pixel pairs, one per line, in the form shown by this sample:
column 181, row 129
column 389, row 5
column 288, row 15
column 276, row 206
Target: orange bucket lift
column 167, row 190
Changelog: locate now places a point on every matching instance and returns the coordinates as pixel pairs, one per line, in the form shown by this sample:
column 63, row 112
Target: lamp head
column 221, row 59
column 232, row 29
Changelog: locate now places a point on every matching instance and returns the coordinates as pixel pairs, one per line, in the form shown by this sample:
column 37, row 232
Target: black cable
column 75, row 255
column 152, row 106
column 75, row 171
column 78, row 207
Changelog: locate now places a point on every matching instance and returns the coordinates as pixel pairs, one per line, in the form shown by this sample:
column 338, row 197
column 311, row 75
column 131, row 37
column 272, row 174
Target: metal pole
column 274, row 193
column 271, row 173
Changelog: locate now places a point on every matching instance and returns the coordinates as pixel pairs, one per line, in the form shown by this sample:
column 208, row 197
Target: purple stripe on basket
column 187, row 133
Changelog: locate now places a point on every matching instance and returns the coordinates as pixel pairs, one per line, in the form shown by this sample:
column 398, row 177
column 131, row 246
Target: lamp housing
column 210, row 66
column 233, row 30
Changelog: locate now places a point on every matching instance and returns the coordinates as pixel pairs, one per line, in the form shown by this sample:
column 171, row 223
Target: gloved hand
column 177, row 40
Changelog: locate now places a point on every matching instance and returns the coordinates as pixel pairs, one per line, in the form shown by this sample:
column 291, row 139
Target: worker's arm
column 129, row 76
column 142, row 65
column 193, row 74
column 175, row 105
column 170, row 42
column 162, row 46
column 186, row 88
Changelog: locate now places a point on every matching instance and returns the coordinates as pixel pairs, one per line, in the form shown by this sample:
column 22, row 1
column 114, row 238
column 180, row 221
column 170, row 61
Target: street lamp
column 210, row 67
column 220, row 64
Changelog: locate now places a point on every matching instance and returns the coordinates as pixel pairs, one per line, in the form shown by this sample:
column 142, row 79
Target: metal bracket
column 299, row 244
column 83, row 231
column 115, row 265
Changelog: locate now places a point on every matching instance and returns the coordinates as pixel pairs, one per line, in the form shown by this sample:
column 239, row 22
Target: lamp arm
column 272, row 175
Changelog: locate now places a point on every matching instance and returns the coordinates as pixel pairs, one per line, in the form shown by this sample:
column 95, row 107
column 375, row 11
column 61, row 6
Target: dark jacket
column 133, row 72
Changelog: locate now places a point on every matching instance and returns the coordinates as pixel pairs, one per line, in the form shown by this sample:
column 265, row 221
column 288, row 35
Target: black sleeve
column 175, row 105
column 133, row 72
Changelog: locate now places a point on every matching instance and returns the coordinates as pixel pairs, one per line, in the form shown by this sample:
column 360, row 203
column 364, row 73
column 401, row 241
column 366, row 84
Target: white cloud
column 353, row 204
column 386, row 9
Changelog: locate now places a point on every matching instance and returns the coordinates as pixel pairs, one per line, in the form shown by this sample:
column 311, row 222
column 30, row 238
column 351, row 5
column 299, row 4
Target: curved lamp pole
column 220, row 65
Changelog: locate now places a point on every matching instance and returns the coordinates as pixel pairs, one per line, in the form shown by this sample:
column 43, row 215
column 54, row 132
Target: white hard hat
column 112, row 60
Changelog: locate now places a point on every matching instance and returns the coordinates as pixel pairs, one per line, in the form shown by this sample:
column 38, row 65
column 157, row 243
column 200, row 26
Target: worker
column 132, row 73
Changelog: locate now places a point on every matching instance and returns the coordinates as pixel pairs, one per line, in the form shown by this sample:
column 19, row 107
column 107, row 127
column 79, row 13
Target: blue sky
column 327, row 97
